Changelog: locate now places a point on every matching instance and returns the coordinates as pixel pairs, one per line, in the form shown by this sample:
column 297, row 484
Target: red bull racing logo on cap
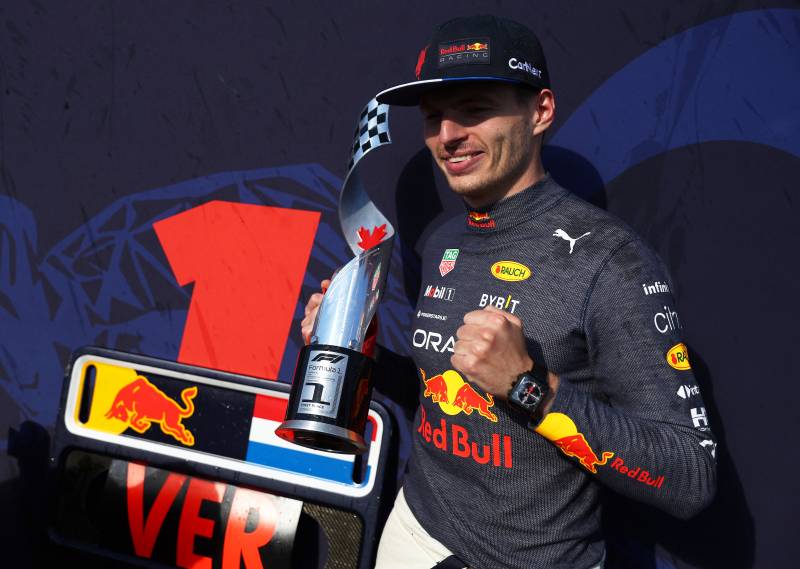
column 140, row 404
column 454, row 395
column 464, row 51
column 561, row 431
column 477, row 46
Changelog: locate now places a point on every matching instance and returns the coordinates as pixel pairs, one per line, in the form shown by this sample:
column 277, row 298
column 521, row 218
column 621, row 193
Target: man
column 546, row 337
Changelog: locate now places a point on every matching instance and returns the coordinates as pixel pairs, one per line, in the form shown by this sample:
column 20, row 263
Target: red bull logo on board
column 561, row 431
column 454, row 395
column 140, row 404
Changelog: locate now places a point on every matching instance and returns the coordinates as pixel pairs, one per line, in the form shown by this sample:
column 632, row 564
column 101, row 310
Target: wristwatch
column 529, row 391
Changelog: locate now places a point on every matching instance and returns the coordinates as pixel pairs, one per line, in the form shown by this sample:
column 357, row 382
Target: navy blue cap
column 474, row 48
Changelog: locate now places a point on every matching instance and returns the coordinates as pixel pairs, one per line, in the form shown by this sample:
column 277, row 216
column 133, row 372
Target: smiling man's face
column 482, row 136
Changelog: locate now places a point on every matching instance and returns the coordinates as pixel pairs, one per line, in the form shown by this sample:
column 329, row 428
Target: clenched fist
column 490, row 350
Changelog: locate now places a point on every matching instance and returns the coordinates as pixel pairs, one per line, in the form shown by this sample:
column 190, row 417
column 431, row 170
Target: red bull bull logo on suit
column 454, row 395
column 561, row 431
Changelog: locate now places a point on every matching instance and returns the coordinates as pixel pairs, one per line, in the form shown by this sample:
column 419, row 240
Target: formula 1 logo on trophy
column 332, row 384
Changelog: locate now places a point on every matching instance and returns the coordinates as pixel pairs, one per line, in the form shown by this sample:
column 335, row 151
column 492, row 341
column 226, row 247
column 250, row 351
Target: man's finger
column 484, row 317
column 465, row 363
column 469, row 332
column 507, row 315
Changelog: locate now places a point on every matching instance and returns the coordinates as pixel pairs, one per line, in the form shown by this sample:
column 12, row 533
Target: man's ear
column 544, row 111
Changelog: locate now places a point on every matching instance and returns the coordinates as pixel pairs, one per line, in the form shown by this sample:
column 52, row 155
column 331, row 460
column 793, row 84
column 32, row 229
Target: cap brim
column 409, row 94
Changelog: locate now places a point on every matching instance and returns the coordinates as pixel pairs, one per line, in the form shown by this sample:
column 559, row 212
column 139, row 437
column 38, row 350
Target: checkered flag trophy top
column 332, row 385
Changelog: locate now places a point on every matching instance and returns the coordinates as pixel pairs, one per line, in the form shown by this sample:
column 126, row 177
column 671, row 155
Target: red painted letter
column 238, row 542
column 145, row 531
column 191, row 524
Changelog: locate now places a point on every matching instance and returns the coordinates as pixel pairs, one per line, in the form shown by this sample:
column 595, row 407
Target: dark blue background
column 682, row 118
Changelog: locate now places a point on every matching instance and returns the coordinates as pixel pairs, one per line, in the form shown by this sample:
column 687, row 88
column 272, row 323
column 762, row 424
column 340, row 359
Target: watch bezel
column 515, row 397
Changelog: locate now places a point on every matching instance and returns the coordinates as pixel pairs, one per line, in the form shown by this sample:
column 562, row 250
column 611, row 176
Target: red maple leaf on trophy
column 371, row 238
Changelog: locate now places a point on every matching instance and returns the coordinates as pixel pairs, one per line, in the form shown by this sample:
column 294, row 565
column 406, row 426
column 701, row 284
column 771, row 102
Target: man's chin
column 467, row 186
column 477, row 200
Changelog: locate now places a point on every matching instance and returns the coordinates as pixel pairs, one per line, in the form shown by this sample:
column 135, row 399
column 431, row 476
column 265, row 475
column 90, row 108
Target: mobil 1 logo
column 322, row 386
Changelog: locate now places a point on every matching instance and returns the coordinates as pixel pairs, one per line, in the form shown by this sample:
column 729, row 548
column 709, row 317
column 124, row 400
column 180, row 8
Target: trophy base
column 321, row 436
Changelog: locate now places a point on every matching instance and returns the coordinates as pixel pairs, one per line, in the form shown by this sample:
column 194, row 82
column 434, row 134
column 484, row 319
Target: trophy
column 332, row 384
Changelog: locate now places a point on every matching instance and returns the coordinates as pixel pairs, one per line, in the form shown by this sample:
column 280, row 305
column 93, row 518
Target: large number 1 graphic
column 247, row 264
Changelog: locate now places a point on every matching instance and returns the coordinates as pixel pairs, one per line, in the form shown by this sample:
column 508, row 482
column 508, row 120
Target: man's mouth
column 461, row 163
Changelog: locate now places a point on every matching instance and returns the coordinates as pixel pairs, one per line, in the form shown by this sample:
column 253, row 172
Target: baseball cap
column 474, row 48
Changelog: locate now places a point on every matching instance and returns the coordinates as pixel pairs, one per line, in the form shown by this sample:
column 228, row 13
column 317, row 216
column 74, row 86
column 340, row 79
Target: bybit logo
column 501, row 302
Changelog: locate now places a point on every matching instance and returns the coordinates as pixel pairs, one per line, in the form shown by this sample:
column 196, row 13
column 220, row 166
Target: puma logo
column 563, row 234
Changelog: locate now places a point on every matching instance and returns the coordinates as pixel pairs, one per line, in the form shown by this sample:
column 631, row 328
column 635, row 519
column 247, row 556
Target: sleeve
column 646, row 434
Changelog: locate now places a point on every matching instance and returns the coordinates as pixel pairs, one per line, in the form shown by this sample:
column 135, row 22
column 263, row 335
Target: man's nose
column 451, row 132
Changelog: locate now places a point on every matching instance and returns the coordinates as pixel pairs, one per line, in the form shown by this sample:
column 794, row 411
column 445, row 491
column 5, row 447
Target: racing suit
column 597, row 309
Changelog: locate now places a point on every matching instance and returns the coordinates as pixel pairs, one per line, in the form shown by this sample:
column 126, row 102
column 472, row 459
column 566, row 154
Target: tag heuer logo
column 448, row 261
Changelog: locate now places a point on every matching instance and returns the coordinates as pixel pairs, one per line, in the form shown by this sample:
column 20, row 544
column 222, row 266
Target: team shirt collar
column 514, row 210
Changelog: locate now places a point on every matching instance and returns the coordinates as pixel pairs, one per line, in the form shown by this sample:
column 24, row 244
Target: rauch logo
column 678, row 357
column 510, row 271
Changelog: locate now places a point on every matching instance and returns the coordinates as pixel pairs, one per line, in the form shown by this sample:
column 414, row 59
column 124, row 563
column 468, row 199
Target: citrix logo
column 667, row 321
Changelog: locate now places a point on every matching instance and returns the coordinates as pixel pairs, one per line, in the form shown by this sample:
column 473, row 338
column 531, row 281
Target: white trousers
column 406, row 545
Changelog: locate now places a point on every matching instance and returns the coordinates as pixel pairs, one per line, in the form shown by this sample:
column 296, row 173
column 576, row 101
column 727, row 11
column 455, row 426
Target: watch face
column 528, row 392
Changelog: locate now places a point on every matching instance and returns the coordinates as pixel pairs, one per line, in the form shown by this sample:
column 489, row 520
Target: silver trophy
column 332, row 384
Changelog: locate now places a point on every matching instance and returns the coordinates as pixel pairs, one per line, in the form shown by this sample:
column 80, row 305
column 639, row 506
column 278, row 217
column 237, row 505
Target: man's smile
column 460, row 163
